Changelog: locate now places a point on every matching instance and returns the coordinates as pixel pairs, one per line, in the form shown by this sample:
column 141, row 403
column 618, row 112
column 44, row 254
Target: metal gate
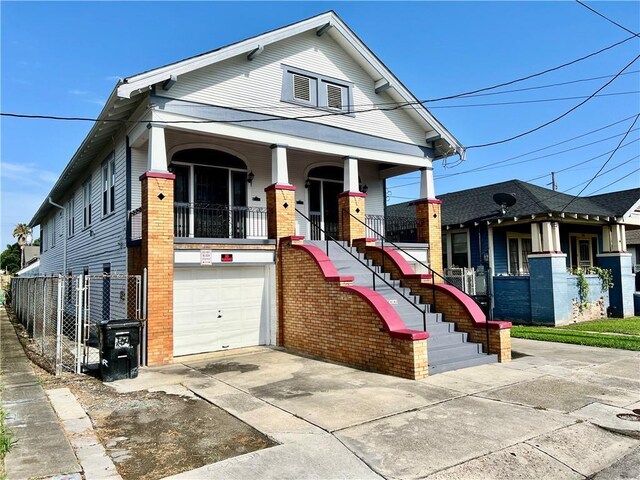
column 62, row 315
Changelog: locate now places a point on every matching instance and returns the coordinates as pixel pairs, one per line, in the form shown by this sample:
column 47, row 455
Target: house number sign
column 206, row 257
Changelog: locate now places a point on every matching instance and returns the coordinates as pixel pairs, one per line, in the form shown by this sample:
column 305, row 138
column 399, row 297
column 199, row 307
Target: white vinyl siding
column 257, row 86
column 104, row 240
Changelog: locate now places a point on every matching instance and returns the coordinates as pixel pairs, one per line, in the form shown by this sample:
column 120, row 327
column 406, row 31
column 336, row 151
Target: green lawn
column 583, row 333
column 630, row 326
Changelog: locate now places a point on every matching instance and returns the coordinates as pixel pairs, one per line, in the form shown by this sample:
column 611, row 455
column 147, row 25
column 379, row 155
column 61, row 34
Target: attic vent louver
column 334, row 97
column 301, row 88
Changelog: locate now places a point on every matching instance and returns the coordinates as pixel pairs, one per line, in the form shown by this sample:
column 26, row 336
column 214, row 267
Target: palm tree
column 22, row 232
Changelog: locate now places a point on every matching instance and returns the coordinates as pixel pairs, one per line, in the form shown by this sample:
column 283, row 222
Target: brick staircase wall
column 455, row 305
column 324, row 315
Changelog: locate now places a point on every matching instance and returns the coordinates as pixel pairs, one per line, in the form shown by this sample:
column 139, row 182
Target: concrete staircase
column 446, row 348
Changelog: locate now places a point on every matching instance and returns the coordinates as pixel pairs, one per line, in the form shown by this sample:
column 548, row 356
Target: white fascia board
column 632, row 210
column 241, row 132
column 144, row 80
column 191, row 257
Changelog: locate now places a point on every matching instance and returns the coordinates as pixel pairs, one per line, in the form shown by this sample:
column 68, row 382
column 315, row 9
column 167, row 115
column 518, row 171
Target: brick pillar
column 281, row 222
column 281, row 210
column 157, row 257
column 430, row 229
column 350, row 228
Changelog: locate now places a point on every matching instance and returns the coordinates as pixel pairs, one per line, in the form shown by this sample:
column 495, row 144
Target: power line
column 575, row 107
column 605, row 163
column 501, row 163
column 616, row 181
column 528, row 77
column 608, row 19
column 540, row 100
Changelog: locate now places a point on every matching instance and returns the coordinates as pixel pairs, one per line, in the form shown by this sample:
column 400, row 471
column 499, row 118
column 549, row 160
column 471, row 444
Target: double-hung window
column 315, row 90
column 519, row 249
column 71, row 220
column 86, row 205
column 108, row 186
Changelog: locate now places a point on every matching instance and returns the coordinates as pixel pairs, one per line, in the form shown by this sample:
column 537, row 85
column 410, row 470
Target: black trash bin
column 119, row 340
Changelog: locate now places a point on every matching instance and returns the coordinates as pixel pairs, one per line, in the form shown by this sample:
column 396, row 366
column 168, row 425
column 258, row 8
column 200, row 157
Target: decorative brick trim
column 393, row 323
column 280, row 186
column 152, row 174
column 426, row 200
column 352, row 194
column 400, row 262
column 324, row 263
column 457, row 307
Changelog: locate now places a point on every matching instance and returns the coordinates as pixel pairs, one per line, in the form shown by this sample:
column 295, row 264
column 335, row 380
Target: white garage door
column 218, row 308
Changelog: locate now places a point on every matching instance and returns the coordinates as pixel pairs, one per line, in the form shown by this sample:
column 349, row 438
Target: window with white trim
column 71, row 219
column 86, row 203
column 518, row 251
column 315, row 90
column 53, row 231
column 108, row 187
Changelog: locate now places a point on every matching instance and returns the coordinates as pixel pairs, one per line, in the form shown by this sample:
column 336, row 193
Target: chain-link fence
column 62, row 314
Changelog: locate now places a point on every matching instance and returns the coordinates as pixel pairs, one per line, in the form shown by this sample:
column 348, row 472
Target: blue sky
column 62, row 58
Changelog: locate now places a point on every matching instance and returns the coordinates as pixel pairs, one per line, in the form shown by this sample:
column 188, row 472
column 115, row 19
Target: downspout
column 64, row 236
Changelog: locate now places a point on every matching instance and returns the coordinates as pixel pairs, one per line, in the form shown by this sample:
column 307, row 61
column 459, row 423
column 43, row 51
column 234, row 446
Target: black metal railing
column 395, row 228
column 330, row 238
column 135, row 224
column 318, row 226
column 206, row 220
column 433, row 273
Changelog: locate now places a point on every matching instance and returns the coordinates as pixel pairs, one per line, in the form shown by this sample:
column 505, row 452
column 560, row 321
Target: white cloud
column 28, row 174
column 78, row 92
column 113, row 78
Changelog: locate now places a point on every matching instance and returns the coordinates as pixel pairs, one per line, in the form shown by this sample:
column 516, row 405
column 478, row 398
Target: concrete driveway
column 551, row 413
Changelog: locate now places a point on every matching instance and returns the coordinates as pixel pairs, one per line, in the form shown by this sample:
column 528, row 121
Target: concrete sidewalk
column 551, row 413
column 42, row 449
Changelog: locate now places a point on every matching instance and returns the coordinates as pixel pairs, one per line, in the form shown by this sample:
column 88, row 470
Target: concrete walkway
column 551, row 413
column 41, row 449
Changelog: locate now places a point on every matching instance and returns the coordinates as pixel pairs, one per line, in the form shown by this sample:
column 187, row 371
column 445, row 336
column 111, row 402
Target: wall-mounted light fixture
column 364, row 188
column 250, row 177
column 307, row 183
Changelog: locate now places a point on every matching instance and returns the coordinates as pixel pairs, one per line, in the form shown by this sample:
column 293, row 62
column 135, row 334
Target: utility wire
column 546, row 124
column 608, row 19
column 605, row 163
column 616, row 181
column 500, row 164
column 539, row 100
column 543, row 148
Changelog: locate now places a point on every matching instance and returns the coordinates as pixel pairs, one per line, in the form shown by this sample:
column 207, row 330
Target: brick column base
column 351, row 203
column 281, row 210
column 430, row 230
column 157, row 257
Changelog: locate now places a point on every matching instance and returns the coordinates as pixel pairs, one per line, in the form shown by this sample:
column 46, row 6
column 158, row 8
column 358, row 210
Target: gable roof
column 476, row 204
column 127, row 95
column 328, row 23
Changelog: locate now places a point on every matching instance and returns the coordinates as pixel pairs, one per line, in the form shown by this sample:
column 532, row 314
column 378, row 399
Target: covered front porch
column 221, row 188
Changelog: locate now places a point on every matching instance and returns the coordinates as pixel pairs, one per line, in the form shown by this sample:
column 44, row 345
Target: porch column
column 157, row 249
column 428, row 210
column 545, row 237
column 616, row 259
column 281, row 201
column 351, row 204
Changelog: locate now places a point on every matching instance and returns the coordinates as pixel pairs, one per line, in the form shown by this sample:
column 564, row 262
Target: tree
column 10, row 259
column 22, row 232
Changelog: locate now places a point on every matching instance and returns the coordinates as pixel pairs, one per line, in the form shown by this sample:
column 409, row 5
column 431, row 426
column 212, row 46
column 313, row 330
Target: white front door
column 219, row 308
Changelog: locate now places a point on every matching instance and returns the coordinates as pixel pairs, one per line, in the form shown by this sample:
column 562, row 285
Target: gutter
column 64, row 235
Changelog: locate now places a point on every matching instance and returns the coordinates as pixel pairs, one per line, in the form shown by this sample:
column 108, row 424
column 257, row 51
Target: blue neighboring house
column 533, row 249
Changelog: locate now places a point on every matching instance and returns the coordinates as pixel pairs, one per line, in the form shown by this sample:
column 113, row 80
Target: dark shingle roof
column 476, row 204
